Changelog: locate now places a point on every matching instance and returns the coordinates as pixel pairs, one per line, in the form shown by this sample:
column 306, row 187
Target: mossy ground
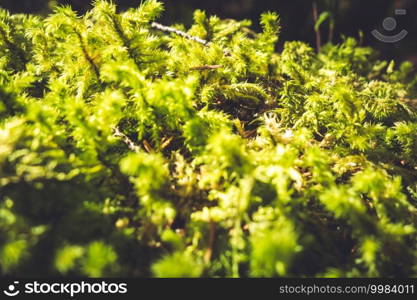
column 130, row 150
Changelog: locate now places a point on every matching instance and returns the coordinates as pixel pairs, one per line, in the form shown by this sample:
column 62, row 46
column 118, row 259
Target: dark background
column 351, row 16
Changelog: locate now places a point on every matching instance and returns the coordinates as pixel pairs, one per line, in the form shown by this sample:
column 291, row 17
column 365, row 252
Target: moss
column 202, row 152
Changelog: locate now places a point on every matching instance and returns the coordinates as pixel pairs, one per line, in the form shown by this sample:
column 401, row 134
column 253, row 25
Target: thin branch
column 130, row 144
column 317, row 30
column 331, row 30
column 206, row 67
column 190, row 37
column 180, row 33
column 212, row 236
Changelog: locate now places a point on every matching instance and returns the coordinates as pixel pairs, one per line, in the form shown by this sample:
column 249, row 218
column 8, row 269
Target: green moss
column 131, row 148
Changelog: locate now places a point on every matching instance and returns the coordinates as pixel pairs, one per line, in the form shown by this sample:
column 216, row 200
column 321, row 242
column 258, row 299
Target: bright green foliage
column 178, row 265
column 127, row 150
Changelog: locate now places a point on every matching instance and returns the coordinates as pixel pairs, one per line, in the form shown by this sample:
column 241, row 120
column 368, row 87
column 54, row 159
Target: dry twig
column 179, row 32
column 130, row 144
